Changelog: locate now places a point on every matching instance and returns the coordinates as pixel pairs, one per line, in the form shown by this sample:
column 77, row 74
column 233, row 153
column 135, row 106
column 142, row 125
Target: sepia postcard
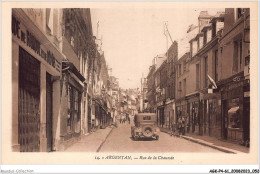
column 129, row 83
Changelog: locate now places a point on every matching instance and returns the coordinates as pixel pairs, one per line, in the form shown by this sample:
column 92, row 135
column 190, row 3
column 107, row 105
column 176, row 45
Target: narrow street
column 120, row 141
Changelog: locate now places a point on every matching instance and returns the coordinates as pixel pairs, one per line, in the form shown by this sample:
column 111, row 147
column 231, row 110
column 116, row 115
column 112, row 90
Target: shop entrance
column 28, row 102
column 246, row 120
column 49, row 112
column 89, row 118
column 224, row 119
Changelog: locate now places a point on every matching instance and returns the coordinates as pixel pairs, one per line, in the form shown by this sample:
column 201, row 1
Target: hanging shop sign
column 29, row 39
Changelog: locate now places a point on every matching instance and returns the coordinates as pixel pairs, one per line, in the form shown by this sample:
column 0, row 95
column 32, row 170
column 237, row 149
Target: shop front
column 101, row 115
column 193, row 110
column 181, row 112
column 160, row 114
column 235, row 109
column 211, row 109
column 169, row 115
column 36, row 71
column 71, row 105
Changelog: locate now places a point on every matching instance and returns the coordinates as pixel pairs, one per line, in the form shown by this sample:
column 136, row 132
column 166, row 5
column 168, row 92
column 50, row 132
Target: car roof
column 145, row 114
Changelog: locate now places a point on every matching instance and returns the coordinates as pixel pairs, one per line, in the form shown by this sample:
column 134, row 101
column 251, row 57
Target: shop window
column 234, row 114
column 73, row 117
column 69, row 117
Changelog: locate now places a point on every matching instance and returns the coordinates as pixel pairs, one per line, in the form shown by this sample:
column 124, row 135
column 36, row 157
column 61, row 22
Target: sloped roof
column 183, row 43
column 160, row 59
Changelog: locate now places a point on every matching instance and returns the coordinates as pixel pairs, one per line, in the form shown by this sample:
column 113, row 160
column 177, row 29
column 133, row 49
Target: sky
column 132, row 37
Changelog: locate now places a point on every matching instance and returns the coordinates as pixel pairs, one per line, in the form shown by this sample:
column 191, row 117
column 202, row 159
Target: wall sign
column 29, row 39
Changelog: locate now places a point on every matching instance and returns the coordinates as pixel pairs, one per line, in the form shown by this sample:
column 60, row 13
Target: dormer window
column 200, row 41
column 205, row 37
column 213, row 29
column 194, row 47
column 209, row 31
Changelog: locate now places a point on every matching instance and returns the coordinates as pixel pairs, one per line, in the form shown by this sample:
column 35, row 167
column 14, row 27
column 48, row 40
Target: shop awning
column 233, row 110
column 66, row 65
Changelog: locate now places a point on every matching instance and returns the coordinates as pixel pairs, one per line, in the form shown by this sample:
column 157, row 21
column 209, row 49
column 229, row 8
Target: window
column 197, row 76
column 234, row 120
column 213, row 29
column 194, row 48
column 201, row 40
column 179, row 89
column 146, row 117
column 209, row 35
column 216, row 65
column 184, row 66
column 74, row 99
column 205, row 37
column 173, row 90
column 184, row 87
column 237, row 56
column 206, row 73
column 49, row 20
column 240, row 54
column 179, row 69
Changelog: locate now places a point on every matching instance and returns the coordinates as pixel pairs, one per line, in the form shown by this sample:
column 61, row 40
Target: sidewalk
column 213, row 142
column 91, row 142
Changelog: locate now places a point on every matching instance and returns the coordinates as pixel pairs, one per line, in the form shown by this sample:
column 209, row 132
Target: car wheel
column 157, row 137
column 135, row 138
column 148, row 131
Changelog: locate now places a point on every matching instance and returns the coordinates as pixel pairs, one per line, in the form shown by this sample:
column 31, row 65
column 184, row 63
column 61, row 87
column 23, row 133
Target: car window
column 146, row 117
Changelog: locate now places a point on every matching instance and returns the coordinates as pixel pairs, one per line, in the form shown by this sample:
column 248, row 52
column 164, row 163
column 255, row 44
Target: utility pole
column 166, row 35
column 97, row 28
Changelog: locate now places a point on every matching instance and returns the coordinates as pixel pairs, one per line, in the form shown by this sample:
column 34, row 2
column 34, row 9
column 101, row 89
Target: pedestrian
column 121, row 119
column 183, row 125
column 172, row 128
column 179, row 125
column 129, row 120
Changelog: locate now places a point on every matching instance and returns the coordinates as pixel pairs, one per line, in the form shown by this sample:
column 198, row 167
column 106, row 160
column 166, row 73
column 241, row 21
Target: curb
column 104, row 140
column 223, row 149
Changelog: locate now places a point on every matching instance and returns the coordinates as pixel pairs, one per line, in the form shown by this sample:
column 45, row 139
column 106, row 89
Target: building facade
column 36, row 71
column 212, row 79
column 172, row 57
column 234, row 80
column 57, row 70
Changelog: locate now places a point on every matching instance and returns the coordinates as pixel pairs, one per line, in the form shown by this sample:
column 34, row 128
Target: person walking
column 183, row 125
column 121, row 119
column 128, row 120
column 179, row 125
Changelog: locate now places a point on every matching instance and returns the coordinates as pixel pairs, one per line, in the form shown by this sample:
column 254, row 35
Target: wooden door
column 29, row 102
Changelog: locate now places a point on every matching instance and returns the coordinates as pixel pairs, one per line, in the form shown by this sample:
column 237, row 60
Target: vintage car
column 145, row 126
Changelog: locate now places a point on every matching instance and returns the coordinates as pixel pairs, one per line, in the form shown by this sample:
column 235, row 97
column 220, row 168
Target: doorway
column 49, row 112
column 246, row 121
column 28, row 102
column 224, row 119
